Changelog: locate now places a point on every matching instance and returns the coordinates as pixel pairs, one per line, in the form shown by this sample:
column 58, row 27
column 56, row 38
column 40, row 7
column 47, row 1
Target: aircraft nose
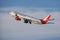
column 12, row 14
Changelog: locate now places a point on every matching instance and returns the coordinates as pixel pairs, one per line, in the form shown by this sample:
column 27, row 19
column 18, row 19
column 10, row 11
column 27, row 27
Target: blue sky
column 31, row 3
column 54, row 4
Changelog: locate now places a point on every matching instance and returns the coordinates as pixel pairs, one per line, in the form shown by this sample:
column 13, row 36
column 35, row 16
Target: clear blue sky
column 31, row 3
column 55, row 4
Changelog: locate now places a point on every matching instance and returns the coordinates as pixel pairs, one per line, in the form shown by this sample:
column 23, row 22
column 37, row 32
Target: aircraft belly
column 37, row 22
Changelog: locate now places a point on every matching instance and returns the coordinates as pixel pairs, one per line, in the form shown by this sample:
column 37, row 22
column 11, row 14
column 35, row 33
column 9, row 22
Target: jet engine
column 17, row 18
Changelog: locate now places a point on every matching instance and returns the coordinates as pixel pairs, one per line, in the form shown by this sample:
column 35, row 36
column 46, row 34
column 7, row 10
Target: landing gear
column 27, row 20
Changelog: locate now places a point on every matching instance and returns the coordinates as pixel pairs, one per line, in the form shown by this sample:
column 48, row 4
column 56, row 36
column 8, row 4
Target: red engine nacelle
column 17, row 18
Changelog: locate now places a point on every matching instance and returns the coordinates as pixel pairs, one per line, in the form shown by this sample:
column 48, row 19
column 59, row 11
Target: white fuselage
column 22, row 16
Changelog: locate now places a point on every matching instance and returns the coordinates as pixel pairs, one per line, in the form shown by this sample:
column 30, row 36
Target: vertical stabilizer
column 47, row 18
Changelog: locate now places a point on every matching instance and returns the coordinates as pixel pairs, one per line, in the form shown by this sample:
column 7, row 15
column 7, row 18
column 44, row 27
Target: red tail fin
column 47, row 18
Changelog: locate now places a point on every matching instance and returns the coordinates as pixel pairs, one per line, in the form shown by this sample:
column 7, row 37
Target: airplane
column 29, row 19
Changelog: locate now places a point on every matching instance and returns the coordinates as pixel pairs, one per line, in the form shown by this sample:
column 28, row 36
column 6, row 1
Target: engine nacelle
column 17, row 18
